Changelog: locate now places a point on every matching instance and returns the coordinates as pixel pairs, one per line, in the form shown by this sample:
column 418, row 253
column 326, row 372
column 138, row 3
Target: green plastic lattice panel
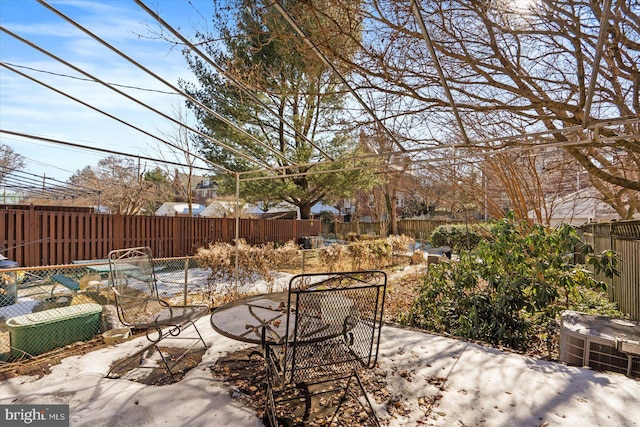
column 43, row 331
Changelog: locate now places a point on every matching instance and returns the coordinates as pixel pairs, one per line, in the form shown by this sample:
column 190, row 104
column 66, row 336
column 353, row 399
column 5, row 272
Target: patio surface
column 423, row 379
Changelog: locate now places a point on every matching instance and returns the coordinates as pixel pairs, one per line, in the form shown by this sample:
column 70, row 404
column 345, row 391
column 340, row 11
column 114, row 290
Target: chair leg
column 155, row 344
column 368, row 407
column 366, row 397
column 179, row 358
column 166, row 363
column 199, row 335
column 270, row 410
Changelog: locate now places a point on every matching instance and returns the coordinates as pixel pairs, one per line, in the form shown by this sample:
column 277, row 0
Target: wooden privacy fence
column 35, row 237
column 417, row 228
column 624, row 238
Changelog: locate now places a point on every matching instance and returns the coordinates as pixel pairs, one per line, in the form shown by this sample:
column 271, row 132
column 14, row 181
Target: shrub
column 333, row 256
column 367, row 253
column 352, row 237
column 521, row 276
column 360, row 255
column 261, row 260
column 455, row 236
column 401, row 244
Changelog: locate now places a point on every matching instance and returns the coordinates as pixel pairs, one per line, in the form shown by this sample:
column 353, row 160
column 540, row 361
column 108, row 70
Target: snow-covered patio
column 430, row 380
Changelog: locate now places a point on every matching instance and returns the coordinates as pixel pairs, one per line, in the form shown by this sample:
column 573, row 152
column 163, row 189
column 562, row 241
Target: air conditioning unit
column 601, row 343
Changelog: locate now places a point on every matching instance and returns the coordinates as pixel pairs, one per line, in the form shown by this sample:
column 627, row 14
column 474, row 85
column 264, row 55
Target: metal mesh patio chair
column 332, row 332
column 134, row 286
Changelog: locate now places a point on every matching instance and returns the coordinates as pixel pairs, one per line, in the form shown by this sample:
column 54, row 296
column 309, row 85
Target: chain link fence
column 48, row 308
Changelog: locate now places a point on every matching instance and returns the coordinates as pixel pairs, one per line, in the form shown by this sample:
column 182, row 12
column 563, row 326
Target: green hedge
column 455, row 236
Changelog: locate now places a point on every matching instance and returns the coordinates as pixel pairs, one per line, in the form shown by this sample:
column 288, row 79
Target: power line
column 49, row 165
column 102, row 150
column 35, row 184
column 504, row 142
column 165, row 82
column 131, row 98
column 28, row 174
column 89, row 80
column 114, row 117
column 34, row 187
column 328, row 63
column 470, row 154
column 222, row 71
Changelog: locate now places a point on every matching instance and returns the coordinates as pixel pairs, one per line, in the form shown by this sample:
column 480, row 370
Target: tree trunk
column 305, row 210
column 391, row 199
column 394, row 216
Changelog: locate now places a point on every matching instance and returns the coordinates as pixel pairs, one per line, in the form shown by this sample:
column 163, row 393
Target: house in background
column 282, row 210
column 205, row 190
column 202, row 189
column 285, row 210
column 227, row 209
column 580, row 207
column 179, row 209
column 320, row 207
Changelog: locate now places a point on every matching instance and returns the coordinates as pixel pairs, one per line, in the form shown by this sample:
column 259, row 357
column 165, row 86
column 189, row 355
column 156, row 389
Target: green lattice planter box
column 42, row 331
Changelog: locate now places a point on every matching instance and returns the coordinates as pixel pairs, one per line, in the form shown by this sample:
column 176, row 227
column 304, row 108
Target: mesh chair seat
column 146, row 313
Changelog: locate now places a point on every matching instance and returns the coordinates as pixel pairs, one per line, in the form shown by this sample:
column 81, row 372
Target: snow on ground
column 479, row 386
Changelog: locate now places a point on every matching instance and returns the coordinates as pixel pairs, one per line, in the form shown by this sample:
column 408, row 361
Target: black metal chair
column 134, row 285
column 332, row 332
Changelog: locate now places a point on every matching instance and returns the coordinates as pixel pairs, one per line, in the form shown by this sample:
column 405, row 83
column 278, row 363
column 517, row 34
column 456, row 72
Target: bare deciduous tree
column 9, row 161
column 511, row 68
column 183, row 150
column 124, row 187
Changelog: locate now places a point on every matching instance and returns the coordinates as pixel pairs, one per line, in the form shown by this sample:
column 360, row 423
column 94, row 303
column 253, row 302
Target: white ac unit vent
column 601, row 343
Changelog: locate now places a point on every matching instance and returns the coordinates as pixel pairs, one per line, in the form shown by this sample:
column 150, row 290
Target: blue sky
column 30, row 108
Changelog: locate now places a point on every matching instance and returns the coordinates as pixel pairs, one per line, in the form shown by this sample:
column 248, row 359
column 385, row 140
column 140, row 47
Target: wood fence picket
column 35, row 237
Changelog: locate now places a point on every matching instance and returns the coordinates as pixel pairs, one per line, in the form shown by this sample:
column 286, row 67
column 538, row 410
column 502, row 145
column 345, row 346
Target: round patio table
column 245, row 318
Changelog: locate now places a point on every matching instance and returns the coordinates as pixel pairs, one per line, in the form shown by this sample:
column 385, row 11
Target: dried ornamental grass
column 334, row 257
column 253, row 261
